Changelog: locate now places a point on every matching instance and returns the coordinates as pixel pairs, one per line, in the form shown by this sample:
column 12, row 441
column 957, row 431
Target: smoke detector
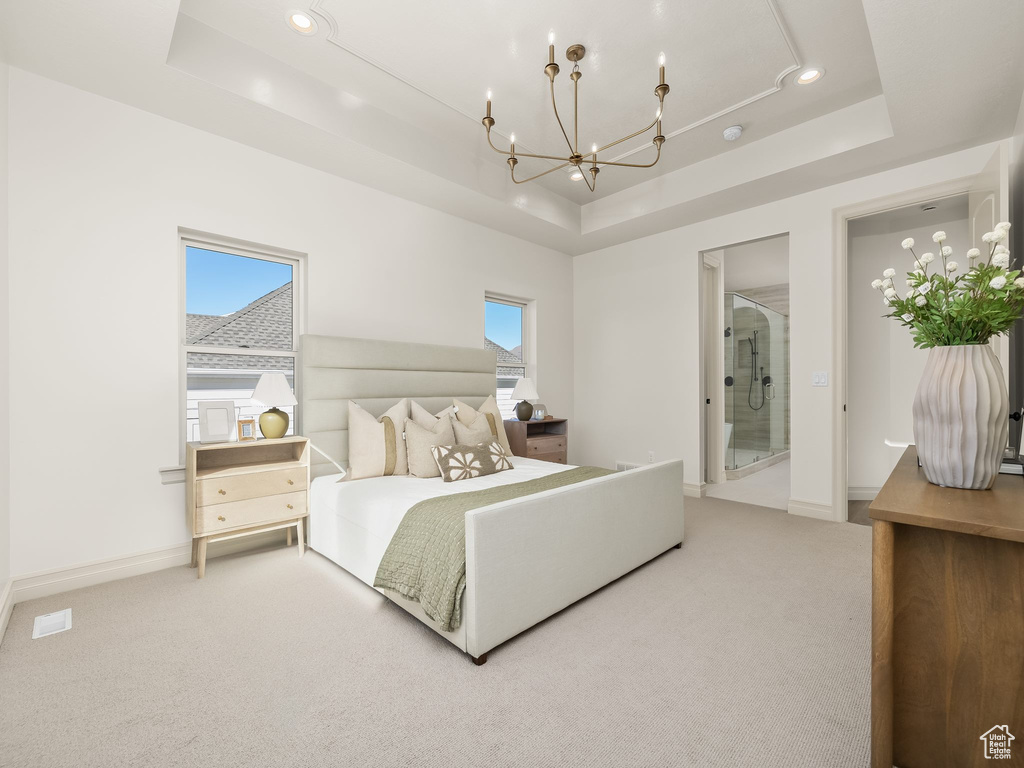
column 733, row 132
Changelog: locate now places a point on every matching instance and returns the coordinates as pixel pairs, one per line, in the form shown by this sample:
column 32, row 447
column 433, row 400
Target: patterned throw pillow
column 462, row 462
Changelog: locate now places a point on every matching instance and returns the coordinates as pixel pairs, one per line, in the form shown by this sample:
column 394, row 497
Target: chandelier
column 575, row 158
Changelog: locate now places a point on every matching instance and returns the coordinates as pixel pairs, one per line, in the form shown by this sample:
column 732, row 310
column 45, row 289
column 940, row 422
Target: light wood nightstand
column 544, row 439
column 237, row 489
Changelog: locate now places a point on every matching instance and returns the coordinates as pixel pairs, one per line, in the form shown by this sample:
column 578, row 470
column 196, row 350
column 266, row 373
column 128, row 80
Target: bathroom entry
column 749, row 366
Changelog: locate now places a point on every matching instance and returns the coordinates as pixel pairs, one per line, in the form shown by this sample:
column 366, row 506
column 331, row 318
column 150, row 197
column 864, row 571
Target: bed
column 526, row 559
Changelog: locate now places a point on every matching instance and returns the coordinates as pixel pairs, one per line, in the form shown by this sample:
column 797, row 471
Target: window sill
column 172, row 475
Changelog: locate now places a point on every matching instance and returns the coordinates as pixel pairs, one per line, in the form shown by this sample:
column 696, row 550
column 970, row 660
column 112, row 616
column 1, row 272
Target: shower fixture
column 763, row 380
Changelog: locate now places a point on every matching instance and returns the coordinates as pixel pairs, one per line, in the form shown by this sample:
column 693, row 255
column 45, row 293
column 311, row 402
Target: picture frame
column 246, row 430
column 217, row 420
column 540, row 412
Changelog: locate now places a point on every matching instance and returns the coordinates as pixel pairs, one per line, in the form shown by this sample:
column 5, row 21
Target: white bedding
column 352, row 522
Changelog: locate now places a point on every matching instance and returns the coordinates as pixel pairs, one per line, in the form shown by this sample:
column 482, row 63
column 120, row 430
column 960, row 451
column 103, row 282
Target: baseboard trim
column 811, row 509
column 57, row 580
column 695, row 490
column 862, row 493
column 6, row 606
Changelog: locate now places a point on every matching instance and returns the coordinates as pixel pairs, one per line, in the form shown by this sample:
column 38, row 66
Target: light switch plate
column 819, row 379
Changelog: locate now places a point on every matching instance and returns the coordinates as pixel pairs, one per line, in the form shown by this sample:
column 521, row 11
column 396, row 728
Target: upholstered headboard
column 377, row 374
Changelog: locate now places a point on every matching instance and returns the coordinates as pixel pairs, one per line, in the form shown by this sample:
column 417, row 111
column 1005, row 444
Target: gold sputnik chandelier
column 575, row 158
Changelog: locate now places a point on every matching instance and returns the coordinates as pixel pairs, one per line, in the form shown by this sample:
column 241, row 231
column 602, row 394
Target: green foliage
column 958, row 309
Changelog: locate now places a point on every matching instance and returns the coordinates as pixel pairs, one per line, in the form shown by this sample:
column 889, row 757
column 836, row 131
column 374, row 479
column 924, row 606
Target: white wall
column 5, row 442
column 98, row 190
column 884, row 367
column 637, row 325
column 757, row 265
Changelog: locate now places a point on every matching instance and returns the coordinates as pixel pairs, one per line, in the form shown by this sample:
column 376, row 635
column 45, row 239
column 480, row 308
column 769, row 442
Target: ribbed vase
column 961, row 416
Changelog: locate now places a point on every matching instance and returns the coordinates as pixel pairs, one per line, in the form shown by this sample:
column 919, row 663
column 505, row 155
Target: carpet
column 750, row 646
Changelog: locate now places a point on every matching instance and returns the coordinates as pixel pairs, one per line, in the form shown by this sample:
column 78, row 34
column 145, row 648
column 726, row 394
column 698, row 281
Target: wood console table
column 947, row 615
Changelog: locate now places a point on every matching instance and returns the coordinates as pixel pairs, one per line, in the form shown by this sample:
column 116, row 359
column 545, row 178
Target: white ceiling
column 390, row 93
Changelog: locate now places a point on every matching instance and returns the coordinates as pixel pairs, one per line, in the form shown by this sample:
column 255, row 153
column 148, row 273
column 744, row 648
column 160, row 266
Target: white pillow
column 375, row 446
column 424, row 418
column 467, row 414
column 474, row 434
column 419, row 440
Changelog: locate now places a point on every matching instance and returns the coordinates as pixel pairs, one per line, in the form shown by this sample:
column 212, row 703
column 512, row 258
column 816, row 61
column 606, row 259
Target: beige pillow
column 467, row 414
column 424, row 418
column 375, row 446
column 461, row 462
column 418, row 441
column 473, row 434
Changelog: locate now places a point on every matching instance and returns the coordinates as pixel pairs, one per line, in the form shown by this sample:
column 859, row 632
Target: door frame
column 840, row 316
column 712, row 357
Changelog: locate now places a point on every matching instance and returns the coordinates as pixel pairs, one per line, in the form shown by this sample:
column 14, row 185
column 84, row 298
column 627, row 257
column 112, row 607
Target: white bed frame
column 528, row 558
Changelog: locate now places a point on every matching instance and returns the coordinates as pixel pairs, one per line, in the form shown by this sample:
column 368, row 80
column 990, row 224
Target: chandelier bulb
column 551, row 37
column 488, row 94
column 593, row 149
column 512, row 138
column 661, row 59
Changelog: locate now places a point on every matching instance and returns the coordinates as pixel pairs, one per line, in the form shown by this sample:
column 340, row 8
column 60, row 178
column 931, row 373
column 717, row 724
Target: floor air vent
column 51, row 624
column 622, row 466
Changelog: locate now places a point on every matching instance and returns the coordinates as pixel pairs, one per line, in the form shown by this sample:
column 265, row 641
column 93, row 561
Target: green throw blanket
column 426, row 559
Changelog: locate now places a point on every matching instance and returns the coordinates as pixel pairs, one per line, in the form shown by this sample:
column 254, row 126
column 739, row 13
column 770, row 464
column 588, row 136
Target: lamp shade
column 525, row 390
column 273, row 390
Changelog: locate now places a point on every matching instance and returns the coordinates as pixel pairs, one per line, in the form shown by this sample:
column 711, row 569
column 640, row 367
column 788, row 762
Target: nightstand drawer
column 222, row 490
column 237, row 514
column 544, row 444
column 557, row 458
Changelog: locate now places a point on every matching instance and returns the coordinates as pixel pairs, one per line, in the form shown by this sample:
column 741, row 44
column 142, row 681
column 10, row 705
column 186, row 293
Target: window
column 505, row 333
column 241, row 320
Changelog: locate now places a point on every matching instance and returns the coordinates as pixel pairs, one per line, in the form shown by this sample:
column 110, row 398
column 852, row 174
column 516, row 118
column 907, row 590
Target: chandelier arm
column 506, row 153
column 575, row 115
column 633, row 165
column 592, row 186
column 545, row 173
column 555, row 108
column 632, row 135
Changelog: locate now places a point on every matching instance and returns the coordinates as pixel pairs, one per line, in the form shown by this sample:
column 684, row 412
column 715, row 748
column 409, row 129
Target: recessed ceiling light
column 302, row 23
column 809, row 76
column 576, row 175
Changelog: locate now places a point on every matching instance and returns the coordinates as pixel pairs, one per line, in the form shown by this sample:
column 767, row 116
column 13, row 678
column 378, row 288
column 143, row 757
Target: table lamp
column 525, row 390
column 273, row 390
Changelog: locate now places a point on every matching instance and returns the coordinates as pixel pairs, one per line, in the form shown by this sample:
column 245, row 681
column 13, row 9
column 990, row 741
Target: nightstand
column 544, row 439
column 238, row 489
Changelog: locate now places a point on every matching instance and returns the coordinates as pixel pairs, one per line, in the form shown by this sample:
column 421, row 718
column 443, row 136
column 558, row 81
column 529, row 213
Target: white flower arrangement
column 946, row 308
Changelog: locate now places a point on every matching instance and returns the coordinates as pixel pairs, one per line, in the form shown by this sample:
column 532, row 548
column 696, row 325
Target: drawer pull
column 290, row 507
column 221, row 518
column 222, row 492
column 291, row 482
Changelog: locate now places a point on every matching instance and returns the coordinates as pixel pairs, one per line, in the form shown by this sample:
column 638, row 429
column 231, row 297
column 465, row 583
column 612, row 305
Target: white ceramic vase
column 961, row 413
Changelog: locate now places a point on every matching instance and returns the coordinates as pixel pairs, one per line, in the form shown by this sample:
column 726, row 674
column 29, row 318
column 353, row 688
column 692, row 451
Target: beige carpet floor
column 748, row 647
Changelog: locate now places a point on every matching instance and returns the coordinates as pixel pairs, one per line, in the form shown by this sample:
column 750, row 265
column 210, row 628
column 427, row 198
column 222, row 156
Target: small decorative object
column 540, row 411
column 216, row 421
column 961, row 409
column 273, row 390
column 525, row 390
column 246, row 430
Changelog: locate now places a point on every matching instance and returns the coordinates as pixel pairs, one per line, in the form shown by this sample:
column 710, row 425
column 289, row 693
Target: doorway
column 746, row 369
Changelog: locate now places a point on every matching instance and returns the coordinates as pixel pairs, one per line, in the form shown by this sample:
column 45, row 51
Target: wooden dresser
column 544, row 439
column 237, row 489
column 947, row 620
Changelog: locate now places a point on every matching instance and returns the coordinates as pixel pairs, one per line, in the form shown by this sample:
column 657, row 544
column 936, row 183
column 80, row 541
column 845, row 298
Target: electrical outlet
column 650, row 457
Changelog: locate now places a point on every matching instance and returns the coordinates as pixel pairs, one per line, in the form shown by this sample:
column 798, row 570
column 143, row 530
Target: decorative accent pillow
column 375, row 446
column 467, row 414
column 461, row 462
column 424, row 418
column 418, row 442
column 473, row 434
